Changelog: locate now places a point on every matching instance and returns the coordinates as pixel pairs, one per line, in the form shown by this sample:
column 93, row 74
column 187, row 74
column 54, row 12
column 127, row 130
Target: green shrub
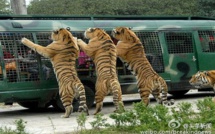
column 99, row 122
column 140, row 118
column 20, row 128
column 206, row 114
column 81, row 120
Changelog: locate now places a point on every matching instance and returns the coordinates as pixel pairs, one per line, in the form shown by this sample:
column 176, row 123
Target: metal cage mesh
column 207, row 40
column 12, row 50
column 152, row 49
column 179, row 42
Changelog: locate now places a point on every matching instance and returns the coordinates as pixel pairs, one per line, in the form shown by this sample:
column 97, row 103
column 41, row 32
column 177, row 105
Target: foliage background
column 117, row 7
column 5, row 7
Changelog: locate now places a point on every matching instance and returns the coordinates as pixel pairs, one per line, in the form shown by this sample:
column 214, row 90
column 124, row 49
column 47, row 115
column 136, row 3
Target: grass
column 142, row 119
column 20, row 128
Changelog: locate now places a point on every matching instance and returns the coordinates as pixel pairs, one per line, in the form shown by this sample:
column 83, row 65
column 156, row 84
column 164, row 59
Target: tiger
column 131, row 52
column 102, row 51
column 203, row 79
column 63, row 52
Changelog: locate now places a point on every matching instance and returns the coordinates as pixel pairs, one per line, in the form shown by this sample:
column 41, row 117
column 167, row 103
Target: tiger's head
column 99, row 33
column 125, row 34
column 62, row 35
column 200, row 79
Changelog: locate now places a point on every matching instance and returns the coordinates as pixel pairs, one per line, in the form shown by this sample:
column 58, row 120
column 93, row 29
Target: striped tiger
column 203, row 79
column 63, row 52
column 131, row 51
column 103, row 52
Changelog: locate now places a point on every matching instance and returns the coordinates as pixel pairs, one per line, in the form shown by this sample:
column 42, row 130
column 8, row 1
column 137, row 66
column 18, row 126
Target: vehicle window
column 11, row 48
column 179, row 42
column 207, row 40
column 152, row 49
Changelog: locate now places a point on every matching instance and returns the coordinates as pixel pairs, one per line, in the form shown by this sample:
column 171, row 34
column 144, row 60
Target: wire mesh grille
column 44, row 39
column 152, row 49
column 20, row 53
column 179, row 42
column 207, row 40
column 12, row 49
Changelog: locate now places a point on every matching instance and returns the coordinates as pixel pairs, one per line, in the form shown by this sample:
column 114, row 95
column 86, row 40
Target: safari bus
column 176, row 47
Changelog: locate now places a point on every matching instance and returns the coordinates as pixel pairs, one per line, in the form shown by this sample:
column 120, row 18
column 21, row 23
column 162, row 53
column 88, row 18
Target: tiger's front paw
column 80, row 41
column 23, row 40
column 75, row 38
column 27, row 42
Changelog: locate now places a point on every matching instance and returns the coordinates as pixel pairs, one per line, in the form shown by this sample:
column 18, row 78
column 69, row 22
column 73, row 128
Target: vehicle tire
column 33, row 105
column 178, row 93
column 90, row 96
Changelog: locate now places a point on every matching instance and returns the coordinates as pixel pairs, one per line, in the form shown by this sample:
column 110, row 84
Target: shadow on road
column 15, row 109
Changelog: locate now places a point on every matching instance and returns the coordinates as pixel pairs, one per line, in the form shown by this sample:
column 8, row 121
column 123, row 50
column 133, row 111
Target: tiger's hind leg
column 156, row 94
column 67, row 96
column 164, row 91
column 144, row 94
column 101, row 92
column 99, row 102
column 117, row 96
column 68, row 111
column 82, row 95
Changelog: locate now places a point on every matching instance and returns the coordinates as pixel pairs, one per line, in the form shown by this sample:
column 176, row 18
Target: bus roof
column 81, row 23
column 101, row 17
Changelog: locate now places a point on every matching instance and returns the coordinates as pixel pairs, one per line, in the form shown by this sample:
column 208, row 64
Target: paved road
column 49, row 121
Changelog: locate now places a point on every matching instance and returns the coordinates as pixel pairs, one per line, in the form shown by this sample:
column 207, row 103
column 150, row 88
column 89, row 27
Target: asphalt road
column 50, row 122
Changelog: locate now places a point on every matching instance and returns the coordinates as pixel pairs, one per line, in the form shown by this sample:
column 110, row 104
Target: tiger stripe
column 131, row 51
column 203, row 79
column 103, row 52
column 63, row 52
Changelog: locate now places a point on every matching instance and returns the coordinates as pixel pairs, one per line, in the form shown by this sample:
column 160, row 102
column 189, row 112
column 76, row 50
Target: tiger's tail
column 67, row 95
column 79, row 87
column 164, row 95
column 117, row 94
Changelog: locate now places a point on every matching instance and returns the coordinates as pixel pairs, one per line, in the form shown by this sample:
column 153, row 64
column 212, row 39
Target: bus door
column 182, row 58
column 206, row 50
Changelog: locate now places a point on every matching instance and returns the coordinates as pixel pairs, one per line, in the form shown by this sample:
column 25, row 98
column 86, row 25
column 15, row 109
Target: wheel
column 90, row 96
column 33, row 105
column 30, row 105
column 178, row 93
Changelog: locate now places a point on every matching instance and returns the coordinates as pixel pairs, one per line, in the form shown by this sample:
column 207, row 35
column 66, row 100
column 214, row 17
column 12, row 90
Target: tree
column 206, row 8
column 114, row 7
column 18, row 6
column 5, row 7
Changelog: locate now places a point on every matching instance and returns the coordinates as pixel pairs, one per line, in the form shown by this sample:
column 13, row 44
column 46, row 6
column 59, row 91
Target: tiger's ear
column 206, row 73
column 92, row 29
column 68, row 28
column 114, row 31
column 129, row 28
column 123, row 30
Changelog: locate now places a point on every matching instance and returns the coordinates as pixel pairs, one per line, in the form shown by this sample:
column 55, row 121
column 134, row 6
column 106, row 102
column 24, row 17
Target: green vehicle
column 176, row 46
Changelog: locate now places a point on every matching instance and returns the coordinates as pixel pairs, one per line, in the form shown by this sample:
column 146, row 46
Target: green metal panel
column 206, row 49
column 134, row 24
column 181, row 50
column 77, row 25
column 29, row 25
column 157, row 33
